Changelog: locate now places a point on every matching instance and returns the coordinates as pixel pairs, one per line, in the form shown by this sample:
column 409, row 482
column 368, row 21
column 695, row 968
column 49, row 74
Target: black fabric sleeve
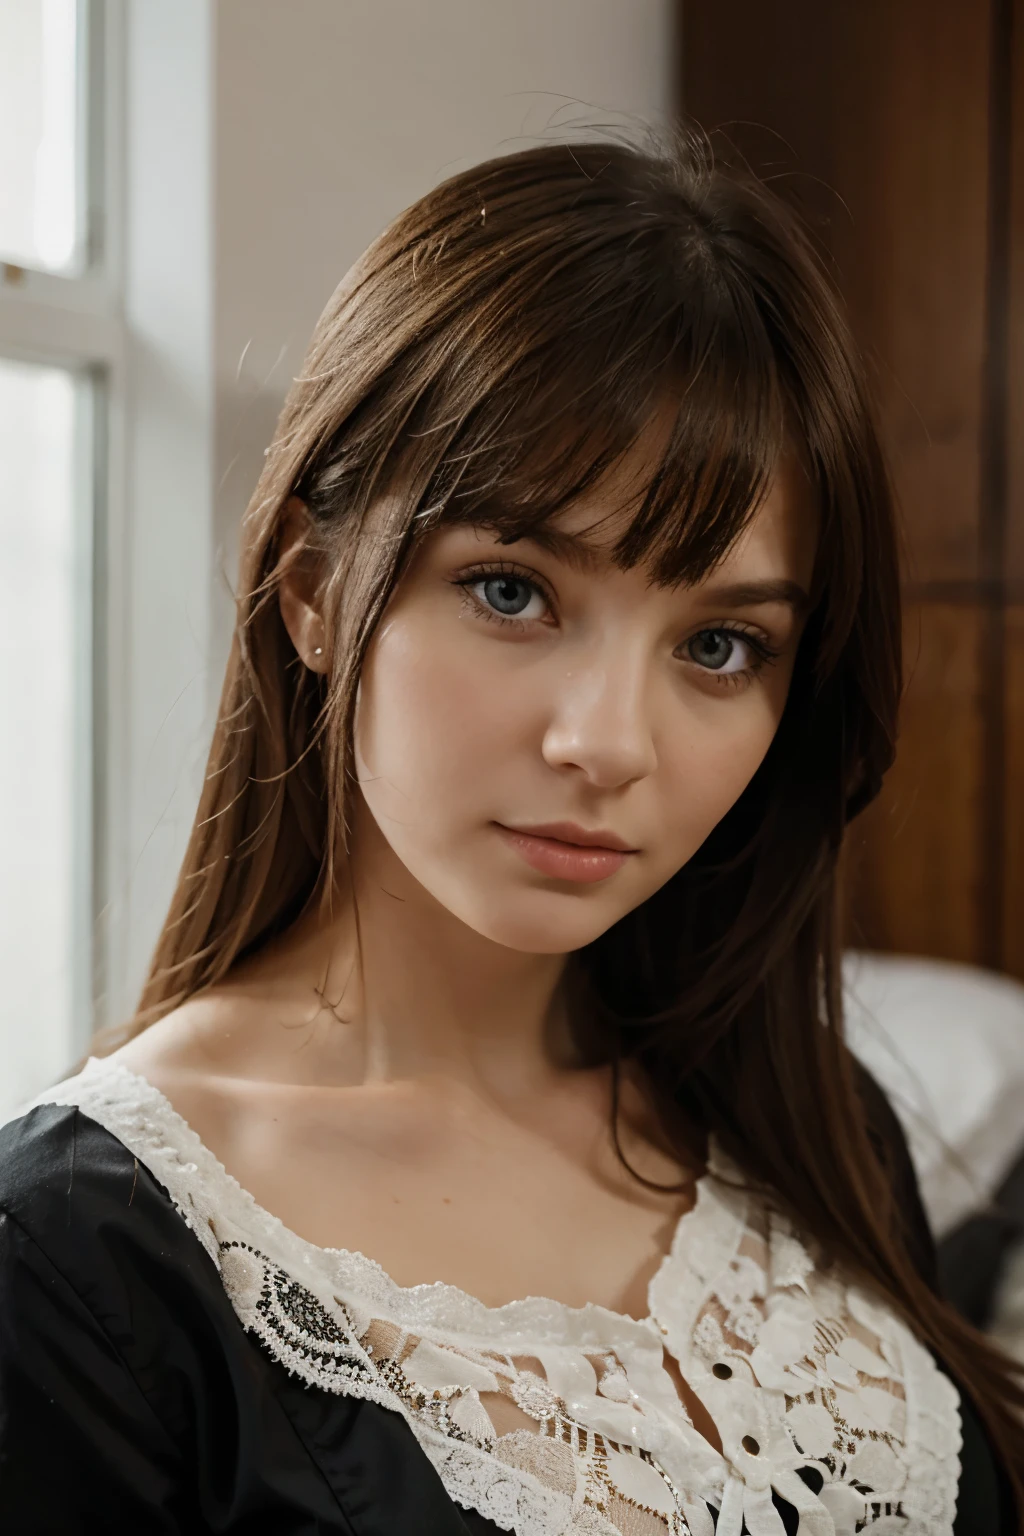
column 132, row 1401
column 80, row 1448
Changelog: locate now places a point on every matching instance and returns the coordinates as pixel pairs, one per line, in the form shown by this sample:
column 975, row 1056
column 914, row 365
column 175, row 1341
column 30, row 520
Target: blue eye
column 507, row 595
column 712, row 648
column 728, row 652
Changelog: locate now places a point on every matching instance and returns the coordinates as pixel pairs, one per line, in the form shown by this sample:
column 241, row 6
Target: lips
column 580, row 837
column 551, row 852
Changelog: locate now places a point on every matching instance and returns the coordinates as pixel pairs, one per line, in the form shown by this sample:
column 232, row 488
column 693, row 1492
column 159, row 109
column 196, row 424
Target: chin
column 534, row 925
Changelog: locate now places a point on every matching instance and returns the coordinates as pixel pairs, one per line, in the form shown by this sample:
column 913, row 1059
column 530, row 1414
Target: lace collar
column 550, row 1419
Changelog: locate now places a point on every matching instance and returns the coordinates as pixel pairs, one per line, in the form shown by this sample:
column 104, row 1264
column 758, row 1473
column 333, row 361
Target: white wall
column 161, row 485
column 322, row 119
column 333, row 115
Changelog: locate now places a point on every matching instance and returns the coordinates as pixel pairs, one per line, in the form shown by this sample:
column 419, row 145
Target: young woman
column 486, row 1154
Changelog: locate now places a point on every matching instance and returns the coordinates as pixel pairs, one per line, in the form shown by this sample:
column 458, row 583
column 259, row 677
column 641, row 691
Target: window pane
column 45, row 695
column 39, row 151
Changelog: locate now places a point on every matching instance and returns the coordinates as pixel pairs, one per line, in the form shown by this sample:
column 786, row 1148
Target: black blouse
column 133, row 1401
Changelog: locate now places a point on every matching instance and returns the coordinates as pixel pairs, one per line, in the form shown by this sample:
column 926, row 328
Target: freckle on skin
column 446, row 1200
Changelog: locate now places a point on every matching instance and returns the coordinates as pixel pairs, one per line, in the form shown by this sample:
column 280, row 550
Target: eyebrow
column 577, row 553
column 752, row 594
column 581, row 556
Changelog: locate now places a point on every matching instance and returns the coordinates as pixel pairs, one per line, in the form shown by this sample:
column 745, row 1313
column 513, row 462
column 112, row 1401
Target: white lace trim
column 797, row 1367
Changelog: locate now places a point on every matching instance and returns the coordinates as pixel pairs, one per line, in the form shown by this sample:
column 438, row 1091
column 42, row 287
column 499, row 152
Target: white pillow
column 946, row 1042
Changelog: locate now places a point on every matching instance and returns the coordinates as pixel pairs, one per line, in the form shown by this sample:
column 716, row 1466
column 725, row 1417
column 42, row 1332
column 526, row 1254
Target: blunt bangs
column 549, row 341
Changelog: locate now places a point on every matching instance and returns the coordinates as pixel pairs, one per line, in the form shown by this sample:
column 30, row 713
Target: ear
column 298, row 587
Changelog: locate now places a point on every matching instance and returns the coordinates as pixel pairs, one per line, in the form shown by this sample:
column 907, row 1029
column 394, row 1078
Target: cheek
column 431, row 728
column 709, row 759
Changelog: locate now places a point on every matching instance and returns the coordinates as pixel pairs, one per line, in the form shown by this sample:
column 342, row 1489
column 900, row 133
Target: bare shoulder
column 222, row 1030
column 182, row 1056
column 218, row 1054
column 201, row 1054
column 192, row 1038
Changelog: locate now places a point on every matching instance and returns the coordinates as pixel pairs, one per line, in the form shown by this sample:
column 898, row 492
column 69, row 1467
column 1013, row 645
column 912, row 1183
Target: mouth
column 566, row 851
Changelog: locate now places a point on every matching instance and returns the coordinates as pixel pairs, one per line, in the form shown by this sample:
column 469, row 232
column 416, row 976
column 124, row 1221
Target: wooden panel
column 764, row 77
column 1013, row 863
column 885, row 102
column 1013, row 957
column 912, row 255
column 901, row 109
column 1015, row 324
column 915, row 860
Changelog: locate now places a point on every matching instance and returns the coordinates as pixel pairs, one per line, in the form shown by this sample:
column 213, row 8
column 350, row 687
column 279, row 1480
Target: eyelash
column 764, row 653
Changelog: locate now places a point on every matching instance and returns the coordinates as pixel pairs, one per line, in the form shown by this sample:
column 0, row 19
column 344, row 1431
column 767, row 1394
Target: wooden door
column 898, row 128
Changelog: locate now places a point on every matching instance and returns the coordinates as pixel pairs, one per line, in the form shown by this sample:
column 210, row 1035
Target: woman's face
column 519, row 697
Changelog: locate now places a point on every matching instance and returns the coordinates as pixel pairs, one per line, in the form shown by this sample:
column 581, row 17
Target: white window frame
column 76, row 321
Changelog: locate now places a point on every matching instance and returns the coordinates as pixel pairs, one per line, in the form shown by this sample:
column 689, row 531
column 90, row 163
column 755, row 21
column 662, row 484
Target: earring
column 319, row 651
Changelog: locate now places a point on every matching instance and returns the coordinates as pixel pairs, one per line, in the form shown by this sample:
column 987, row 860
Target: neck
column 407, row 991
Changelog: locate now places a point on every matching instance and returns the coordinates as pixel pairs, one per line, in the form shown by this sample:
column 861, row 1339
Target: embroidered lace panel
column 552, row 1420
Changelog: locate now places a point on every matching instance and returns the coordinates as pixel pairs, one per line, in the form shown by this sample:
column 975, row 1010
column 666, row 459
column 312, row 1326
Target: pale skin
column 423, row 1107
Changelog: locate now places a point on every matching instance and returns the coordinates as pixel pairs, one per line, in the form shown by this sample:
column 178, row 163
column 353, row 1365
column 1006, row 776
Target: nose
column 602, row 723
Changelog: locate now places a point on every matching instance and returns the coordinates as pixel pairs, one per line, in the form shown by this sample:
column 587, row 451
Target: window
column 45, row 696
column 40, row 143
column 60, row 345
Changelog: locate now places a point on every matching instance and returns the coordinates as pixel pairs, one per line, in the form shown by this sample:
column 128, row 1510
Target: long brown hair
column 495, row 351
